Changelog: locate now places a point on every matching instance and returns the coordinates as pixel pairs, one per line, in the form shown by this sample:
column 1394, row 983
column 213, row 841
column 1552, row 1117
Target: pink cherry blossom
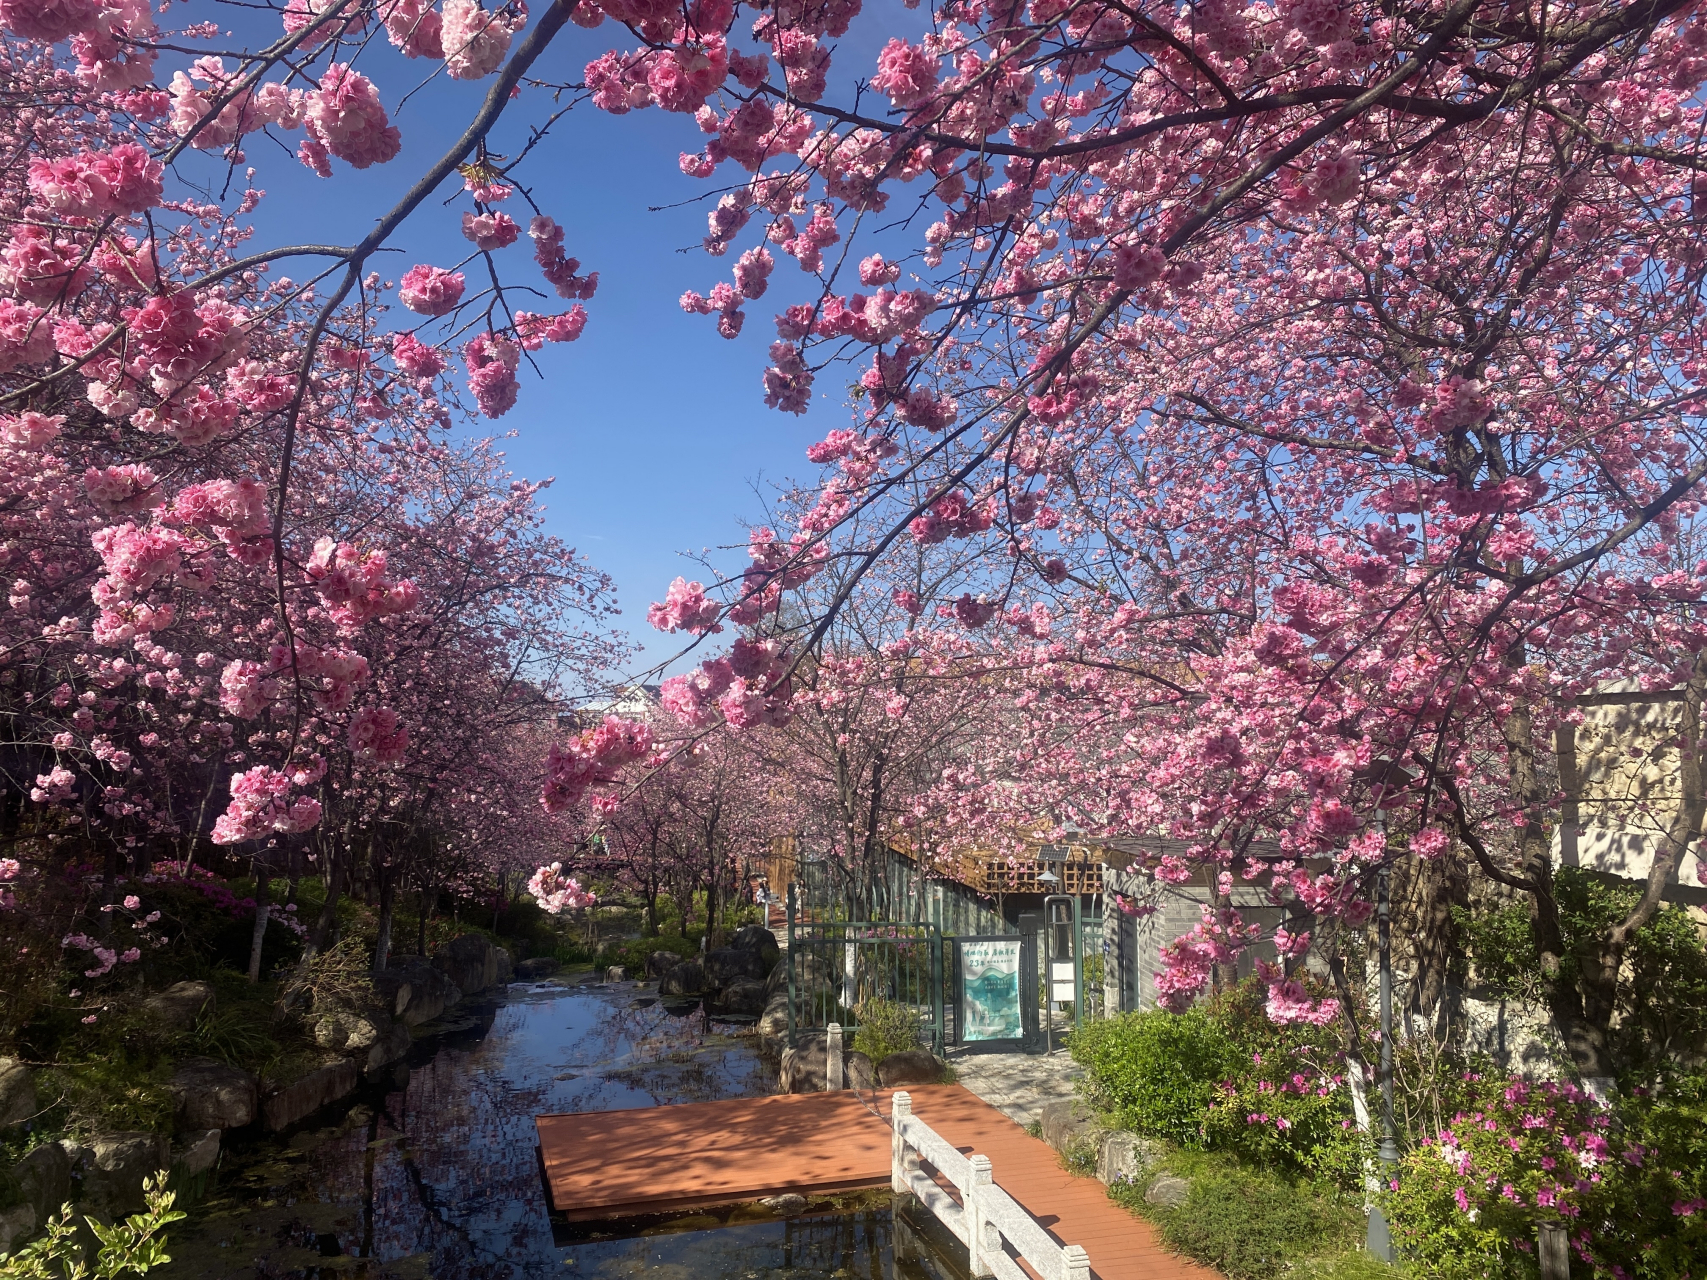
column 431, row 291
column 556, row 893
column 489, row 230
column 685, row 608
column 343, row 114
column 476, row 41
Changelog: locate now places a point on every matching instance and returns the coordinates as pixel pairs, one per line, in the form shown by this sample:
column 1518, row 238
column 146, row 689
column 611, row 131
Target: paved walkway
column 1017, row 1084
column 623, row 1163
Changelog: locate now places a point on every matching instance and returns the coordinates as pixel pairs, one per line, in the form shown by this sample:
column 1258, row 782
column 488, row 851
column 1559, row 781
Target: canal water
column 438, row 1177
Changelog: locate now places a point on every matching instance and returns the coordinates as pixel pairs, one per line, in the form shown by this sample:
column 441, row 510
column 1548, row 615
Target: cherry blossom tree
column 1344, row 458
column 1332, row 367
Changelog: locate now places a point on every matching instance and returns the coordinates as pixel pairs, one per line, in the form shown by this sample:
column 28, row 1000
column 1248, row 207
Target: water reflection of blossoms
column 447, row 1166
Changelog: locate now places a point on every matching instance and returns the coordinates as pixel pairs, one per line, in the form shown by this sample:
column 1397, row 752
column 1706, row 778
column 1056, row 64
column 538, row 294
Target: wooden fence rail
column 985, row 1215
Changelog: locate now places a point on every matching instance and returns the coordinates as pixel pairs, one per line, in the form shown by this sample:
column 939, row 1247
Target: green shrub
column 1288, row 1113
column 1241, row 1011
column 885, row 1027
column 1250, row 1225
column 1662, row 989
column 632, row 952
column 130, row 1247
column 1158, row 1072
column 1629, row 1186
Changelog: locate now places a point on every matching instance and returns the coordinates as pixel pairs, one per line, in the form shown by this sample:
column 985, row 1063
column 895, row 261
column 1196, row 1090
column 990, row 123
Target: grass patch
column 1355, row 1265
column 1252, row 1224
column 106, row 1096
column 1080, row 1158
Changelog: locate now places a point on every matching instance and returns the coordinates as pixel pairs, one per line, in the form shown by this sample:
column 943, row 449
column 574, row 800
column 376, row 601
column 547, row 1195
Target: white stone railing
column 985, row 1216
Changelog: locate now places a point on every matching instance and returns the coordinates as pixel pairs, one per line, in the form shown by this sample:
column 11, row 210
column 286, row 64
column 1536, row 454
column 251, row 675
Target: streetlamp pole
column 1379, row 1240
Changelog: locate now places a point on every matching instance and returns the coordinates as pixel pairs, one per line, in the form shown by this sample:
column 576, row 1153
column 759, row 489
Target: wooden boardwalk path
column 609, row 1164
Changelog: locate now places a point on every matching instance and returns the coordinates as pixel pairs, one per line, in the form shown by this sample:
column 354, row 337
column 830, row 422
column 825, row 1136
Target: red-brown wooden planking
column 608, row 1164
column 603, row 1164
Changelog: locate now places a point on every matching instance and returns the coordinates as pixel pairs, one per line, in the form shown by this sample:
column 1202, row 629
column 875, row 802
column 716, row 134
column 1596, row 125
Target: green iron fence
column 836, row 967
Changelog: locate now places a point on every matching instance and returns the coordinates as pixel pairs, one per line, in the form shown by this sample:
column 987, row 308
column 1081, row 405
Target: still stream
column 438, row 1177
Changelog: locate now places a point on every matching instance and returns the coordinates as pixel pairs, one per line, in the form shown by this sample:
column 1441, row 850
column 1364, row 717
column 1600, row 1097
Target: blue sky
column 653, row 425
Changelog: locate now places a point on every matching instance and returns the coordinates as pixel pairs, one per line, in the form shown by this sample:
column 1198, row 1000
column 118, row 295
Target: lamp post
column 1379, row 1239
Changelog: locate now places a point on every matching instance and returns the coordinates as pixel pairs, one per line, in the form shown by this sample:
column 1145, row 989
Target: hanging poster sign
column 989, row 982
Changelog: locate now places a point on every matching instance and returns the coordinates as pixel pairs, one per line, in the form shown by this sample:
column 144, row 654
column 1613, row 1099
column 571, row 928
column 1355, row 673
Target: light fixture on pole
column 1046, row 876
column 1388, row 777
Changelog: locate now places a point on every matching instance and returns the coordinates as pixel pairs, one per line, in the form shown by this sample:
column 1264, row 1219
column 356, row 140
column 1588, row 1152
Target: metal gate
column 837, row 968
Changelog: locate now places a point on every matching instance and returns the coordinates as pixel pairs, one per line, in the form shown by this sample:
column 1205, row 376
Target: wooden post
column 901, row 1108
column 1075, row 1263
column 833, row 1056
column 1553, row 1251
column 977, row 1228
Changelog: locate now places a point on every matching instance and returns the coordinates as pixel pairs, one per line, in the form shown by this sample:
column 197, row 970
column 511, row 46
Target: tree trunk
column 337, row 869
column 429, row 899
column 387, row 900
column 109, row 881
column 1436, row 887
column 1223, row 977
column 710, row 892
column 1585, row 1036
column 262, row 911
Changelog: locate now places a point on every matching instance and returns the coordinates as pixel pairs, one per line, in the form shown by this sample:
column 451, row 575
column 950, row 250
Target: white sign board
column 1061, row 981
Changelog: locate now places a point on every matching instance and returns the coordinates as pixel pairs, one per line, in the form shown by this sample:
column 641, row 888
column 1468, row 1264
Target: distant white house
column 628, row 702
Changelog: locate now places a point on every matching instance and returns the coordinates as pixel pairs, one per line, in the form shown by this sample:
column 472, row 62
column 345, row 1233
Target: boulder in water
column 727, row 964
column 213, row 1095
column 473, row 963
column 658, row 963
column 773, row 1022
column 803, row 1067
column 415, row 991
column 685, row 979
column 302, row 1097
column 745, row 998
column 196, row 1153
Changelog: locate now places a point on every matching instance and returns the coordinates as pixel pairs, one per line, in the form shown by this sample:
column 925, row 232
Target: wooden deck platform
column 611, row 1164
